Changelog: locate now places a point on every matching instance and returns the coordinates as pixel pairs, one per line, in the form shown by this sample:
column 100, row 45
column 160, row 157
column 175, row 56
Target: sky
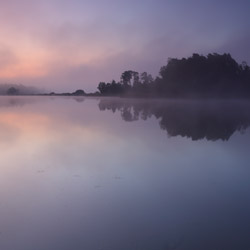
column 64, row 45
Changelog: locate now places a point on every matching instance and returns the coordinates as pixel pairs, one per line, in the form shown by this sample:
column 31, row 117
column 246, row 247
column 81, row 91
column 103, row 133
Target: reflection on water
column 194, row 119
column 75, row 177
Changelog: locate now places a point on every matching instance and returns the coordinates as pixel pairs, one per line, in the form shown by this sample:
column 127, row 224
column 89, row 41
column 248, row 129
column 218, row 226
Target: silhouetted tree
column 215, row 75
column 126, row 77
column 146, row 78
column 78, row 92
column 12, row 91
column 102, row 87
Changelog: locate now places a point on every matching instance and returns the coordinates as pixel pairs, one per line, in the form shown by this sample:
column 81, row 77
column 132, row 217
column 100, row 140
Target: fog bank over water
column 21, row 89
column 195, row 119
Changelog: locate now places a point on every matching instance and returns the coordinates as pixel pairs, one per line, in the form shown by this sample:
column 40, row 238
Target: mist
column 21, row 89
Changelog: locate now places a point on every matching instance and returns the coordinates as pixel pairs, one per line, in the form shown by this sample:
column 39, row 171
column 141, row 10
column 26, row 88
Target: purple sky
column 63, row 45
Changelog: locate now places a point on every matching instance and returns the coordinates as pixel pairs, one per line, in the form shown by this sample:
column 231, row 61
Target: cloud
column 7, row 57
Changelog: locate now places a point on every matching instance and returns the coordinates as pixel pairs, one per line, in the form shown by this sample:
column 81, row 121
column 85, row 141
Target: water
column 119, row 174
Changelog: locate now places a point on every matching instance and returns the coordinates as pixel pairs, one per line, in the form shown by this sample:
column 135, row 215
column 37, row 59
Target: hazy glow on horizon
column 64, row 45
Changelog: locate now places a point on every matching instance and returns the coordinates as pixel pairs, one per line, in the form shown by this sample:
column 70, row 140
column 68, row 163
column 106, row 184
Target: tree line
column 214, row 75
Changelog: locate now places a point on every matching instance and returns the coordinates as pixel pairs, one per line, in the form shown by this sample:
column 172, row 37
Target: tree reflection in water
column 211, row 120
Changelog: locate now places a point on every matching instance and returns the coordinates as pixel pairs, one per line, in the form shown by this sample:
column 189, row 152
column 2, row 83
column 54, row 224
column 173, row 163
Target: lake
column 124, row 174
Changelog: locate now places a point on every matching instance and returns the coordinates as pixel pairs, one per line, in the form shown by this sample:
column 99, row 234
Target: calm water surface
column 118, row 174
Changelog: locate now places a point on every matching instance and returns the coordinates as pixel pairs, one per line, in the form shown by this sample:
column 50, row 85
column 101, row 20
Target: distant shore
column 213, row 76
